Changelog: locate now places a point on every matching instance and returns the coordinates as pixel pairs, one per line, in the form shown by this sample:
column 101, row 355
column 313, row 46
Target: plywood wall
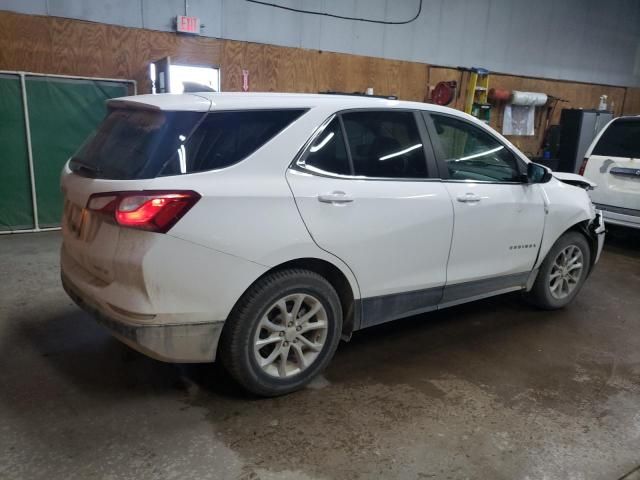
column 632, row 102
column 74, row 47
column 273, row 68
column 574, row 94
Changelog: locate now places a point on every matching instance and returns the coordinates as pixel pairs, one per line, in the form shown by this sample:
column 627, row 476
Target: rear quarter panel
column 248, row 210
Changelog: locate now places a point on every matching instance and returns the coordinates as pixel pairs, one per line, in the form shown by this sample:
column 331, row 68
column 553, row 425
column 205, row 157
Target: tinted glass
column 385, row 144
column 136, row 144
column 133, row 143
column 225, row 138
column 621, row 139
column 328, row 153
column 472, row 154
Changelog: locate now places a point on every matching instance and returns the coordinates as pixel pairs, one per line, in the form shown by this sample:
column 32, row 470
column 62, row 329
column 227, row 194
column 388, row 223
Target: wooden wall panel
column 578, row 95
column 632, row 102
column 273, row 68
column 74, row 47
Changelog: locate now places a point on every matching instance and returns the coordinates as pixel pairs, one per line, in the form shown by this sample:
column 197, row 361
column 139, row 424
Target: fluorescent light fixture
column 401, row 152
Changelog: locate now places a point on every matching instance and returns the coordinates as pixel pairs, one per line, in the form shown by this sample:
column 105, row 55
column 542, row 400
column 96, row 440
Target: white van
column 613, row 162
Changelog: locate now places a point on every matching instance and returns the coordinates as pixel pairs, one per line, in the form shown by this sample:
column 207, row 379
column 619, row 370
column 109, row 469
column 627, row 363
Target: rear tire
column 562, row 273
column 282, row 332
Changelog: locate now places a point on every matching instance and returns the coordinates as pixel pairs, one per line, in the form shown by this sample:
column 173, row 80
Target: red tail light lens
column 583, row 167
column 156, row 211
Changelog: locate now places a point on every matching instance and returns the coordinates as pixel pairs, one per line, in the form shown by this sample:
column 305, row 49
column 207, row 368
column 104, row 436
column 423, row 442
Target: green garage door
column 15, row 194
column 62, row 113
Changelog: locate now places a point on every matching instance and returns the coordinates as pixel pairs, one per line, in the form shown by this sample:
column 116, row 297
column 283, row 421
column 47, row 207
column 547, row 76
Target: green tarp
column 62, row 113
column 15, row 193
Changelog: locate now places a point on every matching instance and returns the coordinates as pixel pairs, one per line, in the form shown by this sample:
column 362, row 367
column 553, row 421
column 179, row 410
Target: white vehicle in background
column 613, row 163
column 262, row 228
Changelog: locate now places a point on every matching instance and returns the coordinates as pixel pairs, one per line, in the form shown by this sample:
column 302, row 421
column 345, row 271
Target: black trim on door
column 467, row 290
column 621, row 210
column 624, row 171
column 386, row 308
column 433, row 169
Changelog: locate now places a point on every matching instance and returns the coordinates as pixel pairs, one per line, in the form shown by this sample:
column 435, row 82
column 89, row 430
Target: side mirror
column 537, row 173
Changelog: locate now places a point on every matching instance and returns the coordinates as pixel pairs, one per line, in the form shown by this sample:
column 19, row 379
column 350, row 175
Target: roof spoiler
column 130, row 104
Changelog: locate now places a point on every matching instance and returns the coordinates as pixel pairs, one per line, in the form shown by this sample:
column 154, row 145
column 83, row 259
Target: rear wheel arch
column 334, row 276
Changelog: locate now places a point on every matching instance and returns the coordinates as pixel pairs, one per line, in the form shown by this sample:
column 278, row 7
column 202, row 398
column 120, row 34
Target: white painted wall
column 586, row 40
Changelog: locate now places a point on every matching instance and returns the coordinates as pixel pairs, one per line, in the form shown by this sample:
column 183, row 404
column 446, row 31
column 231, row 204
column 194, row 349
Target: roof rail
column 360, row 94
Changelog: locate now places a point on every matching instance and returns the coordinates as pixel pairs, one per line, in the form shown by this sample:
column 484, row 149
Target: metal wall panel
column 586, row 40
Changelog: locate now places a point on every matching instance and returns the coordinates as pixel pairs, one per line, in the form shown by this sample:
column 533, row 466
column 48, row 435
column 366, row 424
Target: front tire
column 282, row 333
column 562, row 273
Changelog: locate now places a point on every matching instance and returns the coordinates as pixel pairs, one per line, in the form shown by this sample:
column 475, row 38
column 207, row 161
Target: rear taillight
column 583, row 166
column 156, row 211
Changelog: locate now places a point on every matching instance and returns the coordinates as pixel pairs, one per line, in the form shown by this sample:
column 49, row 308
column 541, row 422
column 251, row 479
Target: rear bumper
column 168, row 342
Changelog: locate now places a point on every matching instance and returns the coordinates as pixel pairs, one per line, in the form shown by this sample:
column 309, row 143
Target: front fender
column 566, row 207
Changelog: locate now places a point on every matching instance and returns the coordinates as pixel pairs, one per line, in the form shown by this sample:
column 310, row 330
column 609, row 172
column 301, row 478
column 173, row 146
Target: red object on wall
column 245, row 80
column 444, row 92
column 499, row 94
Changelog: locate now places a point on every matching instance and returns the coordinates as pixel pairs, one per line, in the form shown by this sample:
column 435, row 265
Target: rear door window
column 621, row 139
column 138, row 144
column 385, row 144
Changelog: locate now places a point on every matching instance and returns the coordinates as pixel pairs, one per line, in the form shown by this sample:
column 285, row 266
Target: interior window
column 328, row 154
column 385, row 144
column 472, row 154
column 621, row 139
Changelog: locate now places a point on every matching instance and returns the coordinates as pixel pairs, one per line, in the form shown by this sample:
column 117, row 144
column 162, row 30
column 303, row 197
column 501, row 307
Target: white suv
column 613, row 163
column 263, row 228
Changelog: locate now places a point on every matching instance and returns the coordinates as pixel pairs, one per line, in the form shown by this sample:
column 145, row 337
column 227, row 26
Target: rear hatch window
column 135, row 144
column 621, row 139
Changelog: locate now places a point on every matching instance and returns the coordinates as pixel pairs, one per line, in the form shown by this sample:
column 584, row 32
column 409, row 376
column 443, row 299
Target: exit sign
column 188, row 24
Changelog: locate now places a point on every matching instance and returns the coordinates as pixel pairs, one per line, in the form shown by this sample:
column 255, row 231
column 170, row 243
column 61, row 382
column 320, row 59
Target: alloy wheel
column 290, row 335
column 566, row 272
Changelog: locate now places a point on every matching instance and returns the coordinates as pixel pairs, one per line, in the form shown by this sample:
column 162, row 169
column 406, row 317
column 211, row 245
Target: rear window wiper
column 76, row 165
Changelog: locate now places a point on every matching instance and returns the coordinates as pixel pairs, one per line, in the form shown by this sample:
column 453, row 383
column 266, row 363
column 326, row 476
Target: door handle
column 469, row 198
column 335, row 198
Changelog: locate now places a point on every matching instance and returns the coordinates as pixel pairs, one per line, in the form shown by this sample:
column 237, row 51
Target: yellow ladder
column 476, row 102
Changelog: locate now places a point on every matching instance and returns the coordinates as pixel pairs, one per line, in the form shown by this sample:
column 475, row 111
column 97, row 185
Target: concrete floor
column 491, row 390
